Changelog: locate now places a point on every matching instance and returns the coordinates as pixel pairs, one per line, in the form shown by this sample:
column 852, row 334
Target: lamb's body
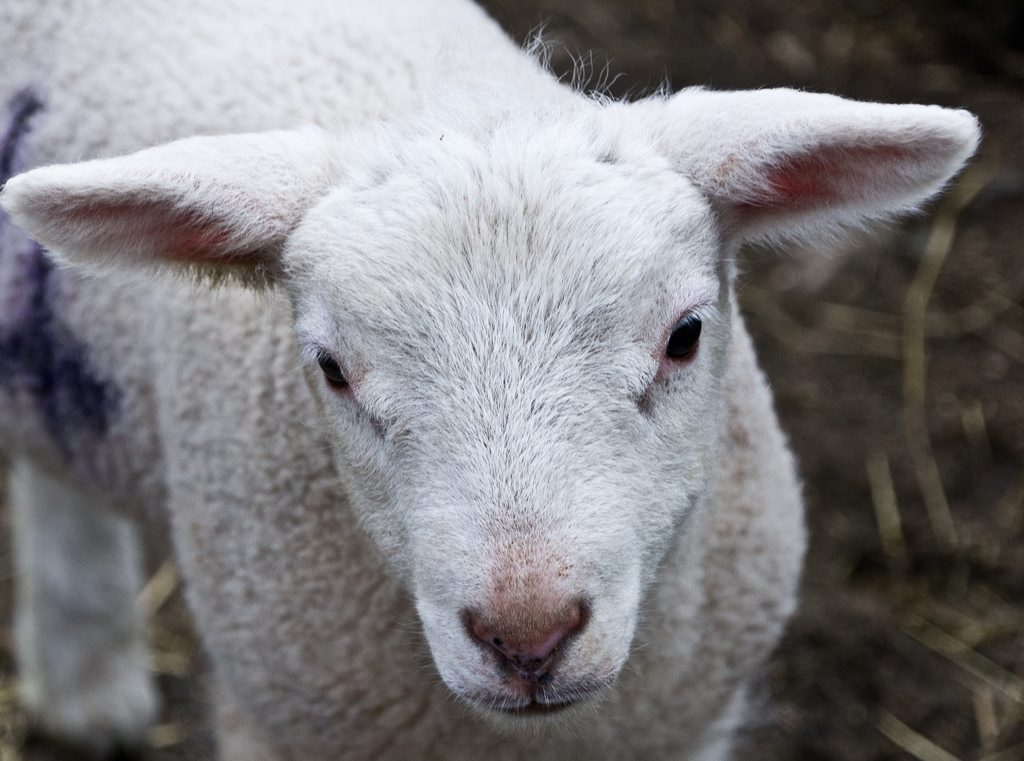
column 195, row 402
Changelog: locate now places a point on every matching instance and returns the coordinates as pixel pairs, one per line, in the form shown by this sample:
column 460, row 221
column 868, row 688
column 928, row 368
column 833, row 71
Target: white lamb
column 474, row 389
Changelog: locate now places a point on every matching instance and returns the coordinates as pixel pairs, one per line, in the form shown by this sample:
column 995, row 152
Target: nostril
column 527, row 641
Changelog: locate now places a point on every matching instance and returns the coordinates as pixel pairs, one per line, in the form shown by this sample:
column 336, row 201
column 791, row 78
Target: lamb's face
column 518, row 354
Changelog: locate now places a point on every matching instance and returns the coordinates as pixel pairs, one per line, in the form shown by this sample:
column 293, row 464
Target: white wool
column 495, row 262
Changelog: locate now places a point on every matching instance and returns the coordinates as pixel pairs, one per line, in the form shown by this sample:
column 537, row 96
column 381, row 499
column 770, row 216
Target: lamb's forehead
column 448, row 221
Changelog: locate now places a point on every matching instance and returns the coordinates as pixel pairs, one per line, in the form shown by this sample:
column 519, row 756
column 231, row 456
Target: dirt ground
column 898, row 368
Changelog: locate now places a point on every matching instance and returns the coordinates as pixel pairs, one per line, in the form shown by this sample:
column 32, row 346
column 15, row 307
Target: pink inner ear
column 199, row 243
column 828, row 176
column 161, row 231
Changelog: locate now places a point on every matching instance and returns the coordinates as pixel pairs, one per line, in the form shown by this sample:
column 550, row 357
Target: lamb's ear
column 219, row 204
column 788, row 163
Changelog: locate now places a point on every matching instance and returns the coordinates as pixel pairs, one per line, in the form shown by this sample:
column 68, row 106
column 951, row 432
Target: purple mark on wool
column 39, row 353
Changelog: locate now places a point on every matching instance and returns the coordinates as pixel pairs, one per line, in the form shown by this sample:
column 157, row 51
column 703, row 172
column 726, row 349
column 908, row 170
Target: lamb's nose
column 528, row 644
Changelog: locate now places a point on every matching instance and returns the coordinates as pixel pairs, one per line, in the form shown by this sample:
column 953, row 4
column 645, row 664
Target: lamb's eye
column 685, row 335
column 332, row 372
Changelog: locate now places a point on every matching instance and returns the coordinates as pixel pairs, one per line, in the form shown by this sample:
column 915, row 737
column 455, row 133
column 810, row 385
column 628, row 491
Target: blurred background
column 898, row 369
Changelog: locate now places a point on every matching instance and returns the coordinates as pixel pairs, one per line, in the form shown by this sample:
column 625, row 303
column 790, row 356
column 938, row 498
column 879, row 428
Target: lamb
column 472, row 359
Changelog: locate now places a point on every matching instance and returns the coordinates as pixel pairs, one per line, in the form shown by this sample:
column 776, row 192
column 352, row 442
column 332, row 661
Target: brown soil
column 908, row 643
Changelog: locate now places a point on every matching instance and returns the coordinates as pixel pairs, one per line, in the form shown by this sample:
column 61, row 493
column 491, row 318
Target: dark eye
column 685, row 335
column 332, row 372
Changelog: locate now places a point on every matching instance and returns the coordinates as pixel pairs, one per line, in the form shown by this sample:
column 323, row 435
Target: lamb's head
column 516, row 336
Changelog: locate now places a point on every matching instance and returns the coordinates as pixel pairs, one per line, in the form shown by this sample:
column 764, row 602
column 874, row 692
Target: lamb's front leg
column 81, row 651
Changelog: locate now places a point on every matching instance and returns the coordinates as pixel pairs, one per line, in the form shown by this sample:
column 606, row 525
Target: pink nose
column 528, row 645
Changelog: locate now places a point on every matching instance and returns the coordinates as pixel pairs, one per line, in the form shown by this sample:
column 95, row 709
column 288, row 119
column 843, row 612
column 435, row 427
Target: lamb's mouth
column 536, row 703
column 533, row 708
